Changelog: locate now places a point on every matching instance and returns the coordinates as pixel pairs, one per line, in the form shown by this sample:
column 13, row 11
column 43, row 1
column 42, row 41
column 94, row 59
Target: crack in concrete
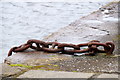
column 108, row 32
column 94, row 76
column 87, row 36
column 17, row 74
column 116, row 72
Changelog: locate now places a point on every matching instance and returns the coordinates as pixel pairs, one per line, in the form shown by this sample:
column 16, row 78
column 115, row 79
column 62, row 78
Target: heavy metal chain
column 55, row 47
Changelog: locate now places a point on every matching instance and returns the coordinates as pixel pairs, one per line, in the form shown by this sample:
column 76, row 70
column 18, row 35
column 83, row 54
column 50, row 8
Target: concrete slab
column 8, row 70
column 108, row 76
column 54, row 74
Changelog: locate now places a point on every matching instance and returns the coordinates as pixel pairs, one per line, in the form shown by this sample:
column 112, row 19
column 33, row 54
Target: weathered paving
column 8, row 71
column 35, row 58
column 99, row 25
column 88, row 64
column 54, row 74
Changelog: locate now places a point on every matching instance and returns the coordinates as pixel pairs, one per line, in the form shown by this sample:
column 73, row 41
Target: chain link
column 55, row 47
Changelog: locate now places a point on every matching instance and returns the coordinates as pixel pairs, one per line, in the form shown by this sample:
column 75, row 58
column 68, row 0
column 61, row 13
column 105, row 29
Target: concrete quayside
column 99, row 25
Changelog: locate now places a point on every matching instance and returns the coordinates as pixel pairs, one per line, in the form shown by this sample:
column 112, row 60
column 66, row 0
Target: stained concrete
column 35, row 58
column 8, row 71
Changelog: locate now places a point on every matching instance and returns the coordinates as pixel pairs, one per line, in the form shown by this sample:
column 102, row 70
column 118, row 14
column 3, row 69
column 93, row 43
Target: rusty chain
column 55, row 47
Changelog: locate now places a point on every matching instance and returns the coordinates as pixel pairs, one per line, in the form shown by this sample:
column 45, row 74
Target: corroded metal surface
column 55, row 47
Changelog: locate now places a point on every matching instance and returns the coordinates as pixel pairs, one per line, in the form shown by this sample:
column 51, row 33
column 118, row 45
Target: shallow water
column 24, row 21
